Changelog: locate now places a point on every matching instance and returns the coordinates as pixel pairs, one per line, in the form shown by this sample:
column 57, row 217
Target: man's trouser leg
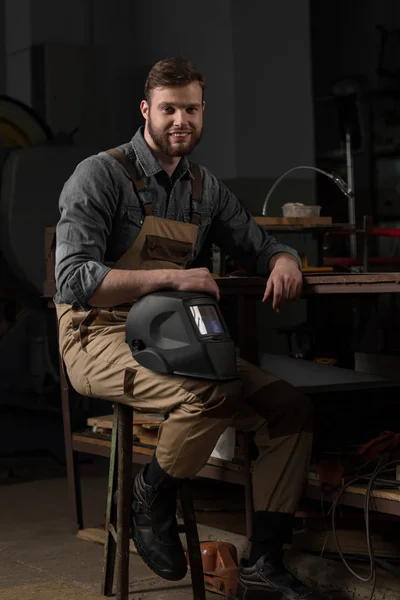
column 283, row 435
column 100, row 364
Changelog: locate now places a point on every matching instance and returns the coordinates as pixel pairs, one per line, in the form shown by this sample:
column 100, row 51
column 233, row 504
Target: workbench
column 250, row 290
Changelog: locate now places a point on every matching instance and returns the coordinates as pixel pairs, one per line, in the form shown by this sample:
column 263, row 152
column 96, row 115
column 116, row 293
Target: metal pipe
column 350, row 194
column 365, row 244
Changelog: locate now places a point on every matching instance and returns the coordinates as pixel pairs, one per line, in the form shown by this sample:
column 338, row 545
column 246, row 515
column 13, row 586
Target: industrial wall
column 255, row 56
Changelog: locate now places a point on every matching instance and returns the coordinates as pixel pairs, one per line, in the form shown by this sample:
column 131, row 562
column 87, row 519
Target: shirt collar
column 148, row 161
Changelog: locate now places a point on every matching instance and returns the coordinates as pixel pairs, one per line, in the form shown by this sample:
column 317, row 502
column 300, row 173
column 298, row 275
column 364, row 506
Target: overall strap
column 134, row 176
column 197, row 190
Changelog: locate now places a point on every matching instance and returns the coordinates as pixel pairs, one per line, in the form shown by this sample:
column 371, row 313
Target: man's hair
column 172, row 72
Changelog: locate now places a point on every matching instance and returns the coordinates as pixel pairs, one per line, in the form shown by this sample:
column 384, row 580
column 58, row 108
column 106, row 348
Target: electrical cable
column 379, row 469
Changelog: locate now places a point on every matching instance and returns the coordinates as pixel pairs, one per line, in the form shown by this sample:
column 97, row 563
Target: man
column 133, row 221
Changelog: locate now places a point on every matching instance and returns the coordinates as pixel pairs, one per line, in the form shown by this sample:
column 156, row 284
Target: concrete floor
column 37, row 545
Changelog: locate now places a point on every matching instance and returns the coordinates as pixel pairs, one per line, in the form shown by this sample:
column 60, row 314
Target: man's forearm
column 123, row 286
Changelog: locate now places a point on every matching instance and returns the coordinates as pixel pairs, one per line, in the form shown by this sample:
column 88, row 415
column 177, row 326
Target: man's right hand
column 195, row 280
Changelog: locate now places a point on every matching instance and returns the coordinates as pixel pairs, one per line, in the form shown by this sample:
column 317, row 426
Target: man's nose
column 180, row 118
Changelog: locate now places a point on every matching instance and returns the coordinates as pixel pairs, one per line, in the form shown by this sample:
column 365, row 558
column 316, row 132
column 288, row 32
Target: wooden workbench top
column 305, row 221
column 326, row 283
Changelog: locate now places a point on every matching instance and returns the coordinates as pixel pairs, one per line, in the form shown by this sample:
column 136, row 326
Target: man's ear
column 144, row 109
column 204, row 105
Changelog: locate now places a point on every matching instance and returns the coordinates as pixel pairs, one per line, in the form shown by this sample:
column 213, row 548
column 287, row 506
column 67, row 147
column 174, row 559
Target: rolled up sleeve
column 87, row 204
column 248, row 243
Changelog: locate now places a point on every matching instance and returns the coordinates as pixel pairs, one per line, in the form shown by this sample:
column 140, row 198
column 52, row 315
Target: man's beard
column 162, row 140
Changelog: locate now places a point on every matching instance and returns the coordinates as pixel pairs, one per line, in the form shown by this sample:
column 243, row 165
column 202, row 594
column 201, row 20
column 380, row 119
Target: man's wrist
column 168, row 278
column 282, row 257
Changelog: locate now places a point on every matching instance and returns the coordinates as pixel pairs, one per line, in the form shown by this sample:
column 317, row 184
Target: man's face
column 174, row 118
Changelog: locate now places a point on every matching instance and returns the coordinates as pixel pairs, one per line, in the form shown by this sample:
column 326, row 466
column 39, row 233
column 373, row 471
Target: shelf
column 100, row 445
column 384, row 501
column 302, row 224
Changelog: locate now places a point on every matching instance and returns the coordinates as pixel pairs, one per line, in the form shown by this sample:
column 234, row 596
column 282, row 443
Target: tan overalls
column 100, row 364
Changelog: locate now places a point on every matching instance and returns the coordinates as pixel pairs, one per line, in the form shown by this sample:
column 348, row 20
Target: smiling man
column 134, row 220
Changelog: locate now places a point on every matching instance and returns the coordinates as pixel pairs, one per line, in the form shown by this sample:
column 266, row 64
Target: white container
column 297, row 209
column 225, row 447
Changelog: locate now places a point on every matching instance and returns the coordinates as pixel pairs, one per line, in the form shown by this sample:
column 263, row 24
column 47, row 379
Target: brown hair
column 172, row 72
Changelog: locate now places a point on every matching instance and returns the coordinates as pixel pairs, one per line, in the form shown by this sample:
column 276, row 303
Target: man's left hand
column 285, row 281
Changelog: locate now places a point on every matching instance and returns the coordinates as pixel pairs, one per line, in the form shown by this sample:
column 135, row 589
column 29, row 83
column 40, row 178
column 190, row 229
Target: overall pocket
column 164, row 249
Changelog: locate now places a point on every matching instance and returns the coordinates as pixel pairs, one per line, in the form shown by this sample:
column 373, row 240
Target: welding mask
column 182, row 333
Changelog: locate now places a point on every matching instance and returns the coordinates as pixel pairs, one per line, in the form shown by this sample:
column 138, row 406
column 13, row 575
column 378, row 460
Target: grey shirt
column 101, row 217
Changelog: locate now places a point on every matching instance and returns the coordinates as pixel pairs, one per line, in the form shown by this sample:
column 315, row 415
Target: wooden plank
column 148, row 439
column 323, row 279
column 393, row 495
column 345, row 279
column 350, row 541
column 353, row 288
column 97, row 535
column 92, row 439
column 369, row 283
column 293, row 220
column 145, row 427
column 106, row 421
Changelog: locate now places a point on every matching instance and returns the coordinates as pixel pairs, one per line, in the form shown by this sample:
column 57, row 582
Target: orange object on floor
column 220, row 566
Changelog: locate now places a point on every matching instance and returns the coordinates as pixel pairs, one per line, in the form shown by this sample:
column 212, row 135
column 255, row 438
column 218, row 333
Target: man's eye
column 192, row 110
column 167, row 109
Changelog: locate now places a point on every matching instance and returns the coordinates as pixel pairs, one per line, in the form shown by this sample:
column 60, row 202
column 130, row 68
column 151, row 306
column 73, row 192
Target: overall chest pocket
column 160, row 248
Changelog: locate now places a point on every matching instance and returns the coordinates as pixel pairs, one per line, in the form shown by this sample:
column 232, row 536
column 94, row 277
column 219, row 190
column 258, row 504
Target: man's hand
column 285, row 281
column 195, row 280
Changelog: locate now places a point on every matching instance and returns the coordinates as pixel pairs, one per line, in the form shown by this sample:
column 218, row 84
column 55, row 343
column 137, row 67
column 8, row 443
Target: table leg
column 247, row 328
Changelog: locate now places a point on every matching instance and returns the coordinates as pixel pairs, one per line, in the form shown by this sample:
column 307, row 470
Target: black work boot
column 154, row 526
column 266, row 577
column 270, row 580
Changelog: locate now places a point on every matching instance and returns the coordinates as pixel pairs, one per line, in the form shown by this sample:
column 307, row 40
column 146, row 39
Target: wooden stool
column 118, row 514
column 118, row 517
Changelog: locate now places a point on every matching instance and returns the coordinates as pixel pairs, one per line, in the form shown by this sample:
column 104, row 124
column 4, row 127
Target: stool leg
column 111, row 536
column 193, row 544
column 71, row 458
column 124, row 502
column 248, row 487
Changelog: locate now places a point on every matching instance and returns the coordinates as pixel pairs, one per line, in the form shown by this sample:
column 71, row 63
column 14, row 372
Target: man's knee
column 297, row 410
column 284, row 407
column 218, row 400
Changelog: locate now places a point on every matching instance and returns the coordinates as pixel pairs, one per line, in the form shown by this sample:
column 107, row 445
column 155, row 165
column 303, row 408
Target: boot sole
column 163, row 574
